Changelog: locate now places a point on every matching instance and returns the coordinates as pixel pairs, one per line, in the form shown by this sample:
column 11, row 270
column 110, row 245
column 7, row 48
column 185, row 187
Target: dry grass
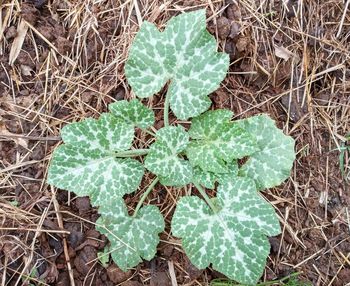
column 59, row 77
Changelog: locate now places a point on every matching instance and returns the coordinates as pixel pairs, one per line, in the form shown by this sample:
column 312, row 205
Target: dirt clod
column 75, row 238
column 295, row 105
column 82, row 204
column 132, row 283
column 242, row 44
column 29, row 13
column 344, row 276
column 116, row 275
column 224, row 27
column 11, row 33
column 63, row 279
column 85, row 259
column 193, row 271
column 39, row 3
column 160, row 279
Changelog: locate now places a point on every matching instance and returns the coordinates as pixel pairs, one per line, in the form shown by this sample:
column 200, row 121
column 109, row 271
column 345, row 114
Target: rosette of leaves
column 229, row 231
column 184, row 54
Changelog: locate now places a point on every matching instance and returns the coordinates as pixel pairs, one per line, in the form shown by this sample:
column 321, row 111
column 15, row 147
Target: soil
column 70, row 66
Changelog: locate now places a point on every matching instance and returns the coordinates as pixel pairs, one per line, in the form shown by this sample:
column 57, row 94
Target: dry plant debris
column 70, row 66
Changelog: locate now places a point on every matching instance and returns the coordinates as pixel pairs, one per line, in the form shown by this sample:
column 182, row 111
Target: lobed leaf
column 107, row 134
column 133, row 112
column 270, row 165
column 163, row 159
column 233, row 239
column 86, row 163
column 217, row 141
column 131, row 238
column 184, row 53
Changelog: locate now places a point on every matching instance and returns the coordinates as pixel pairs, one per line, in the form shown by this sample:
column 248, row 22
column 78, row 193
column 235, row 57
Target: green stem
column 206, row 198
column 145, row 194
column 132, row 153
column 166, row 110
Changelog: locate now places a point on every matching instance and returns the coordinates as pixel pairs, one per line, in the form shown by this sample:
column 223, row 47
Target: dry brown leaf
column 18, row 41
column 282, row 53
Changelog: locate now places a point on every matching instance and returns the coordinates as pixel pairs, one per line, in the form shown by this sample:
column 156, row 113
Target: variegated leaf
column 131, row 238
column 208, row 179
column 217, row 141
column 133, row 112
column 87, row 165
column 271, row 164
column 107, row 134
column 184, row 53
column 233, row 239
column 163, row 158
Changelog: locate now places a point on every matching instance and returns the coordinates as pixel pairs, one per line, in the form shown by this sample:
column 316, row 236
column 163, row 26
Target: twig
column 41, row 230
column 172, row 273
column 34, row 138
column 32, row 249
column 342, row 19
column 65, row 247
column 19, row 165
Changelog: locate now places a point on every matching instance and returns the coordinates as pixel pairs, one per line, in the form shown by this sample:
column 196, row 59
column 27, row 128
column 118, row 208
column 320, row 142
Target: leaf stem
column 145, row 194
column 206, row 198
column 166, row 110
column 132, row 153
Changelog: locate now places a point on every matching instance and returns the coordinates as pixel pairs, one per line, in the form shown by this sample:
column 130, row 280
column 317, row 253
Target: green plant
column 228, row 231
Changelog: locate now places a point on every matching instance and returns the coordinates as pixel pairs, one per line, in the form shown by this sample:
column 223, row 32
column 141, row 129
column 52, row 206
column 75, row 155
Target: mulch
column 289, row 59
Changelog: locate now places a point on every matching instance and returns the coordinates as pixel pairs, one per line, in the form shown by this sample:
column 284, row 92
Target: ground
column 62, row 61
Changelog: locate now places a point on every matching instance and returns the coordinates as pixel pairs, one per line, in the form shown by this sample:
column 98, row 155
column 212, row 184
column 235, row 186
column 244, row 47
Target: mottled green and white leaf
column 87, row 165
column 208, row 179
column 184, row 53
column 217, row 141
column 271, row 164
column 133, row 112
column 131, row 238
column 108, row 134
column 232, row 239
column 163, row 158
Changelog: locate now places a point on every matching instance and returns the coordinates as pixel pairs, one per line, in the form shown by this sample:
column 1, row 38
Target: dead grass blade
column 18, row 41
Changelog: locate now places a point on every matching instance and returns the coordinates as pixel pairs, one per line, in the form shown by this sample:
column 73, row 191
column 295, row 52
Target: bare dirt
column 289, row 59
